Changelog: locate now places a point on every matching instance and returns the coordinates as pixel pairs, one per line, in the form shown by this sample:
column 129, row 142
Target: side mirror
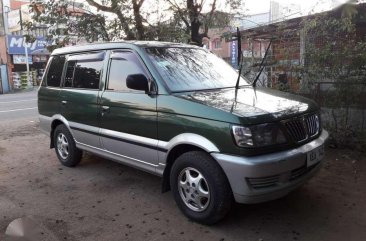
column 137, row 82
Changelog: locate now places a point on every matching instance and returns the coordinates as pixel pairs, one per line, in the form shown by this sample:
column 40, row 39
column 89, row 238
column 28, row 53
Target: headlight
column 258, row 135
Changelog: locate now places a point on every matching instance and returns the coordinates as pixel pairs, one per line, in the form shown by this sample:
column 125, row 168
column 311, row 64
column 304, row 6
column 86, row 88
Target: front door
column 128, row 117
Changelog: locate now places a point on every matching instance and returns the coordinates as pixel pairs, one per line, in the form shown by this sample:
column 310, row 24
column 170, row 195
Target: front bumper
column 266, row 177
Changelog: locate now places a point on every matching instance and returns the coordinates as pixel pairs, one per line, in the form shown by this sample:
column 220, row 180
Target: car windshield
column 189, row 69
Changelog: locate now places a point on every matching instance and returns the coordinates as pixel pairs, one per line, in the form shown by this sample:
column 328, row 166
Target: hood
column 256, row 105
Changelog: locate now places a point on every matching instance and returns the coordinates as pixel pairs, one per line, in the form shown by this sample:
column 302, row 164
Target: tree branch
column 181, row 14
column 114, row 8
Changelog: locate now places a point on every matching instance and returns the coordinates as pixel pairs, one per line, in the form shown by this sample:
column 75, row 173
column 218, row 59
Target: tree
column 197, row 22
column 68, row 20
column 182, row 21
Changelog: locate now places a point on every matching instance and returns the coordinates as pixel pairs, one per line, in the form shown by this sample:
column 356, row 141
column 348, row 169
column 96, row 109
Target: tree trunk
column 138, row 20
column 193, row 10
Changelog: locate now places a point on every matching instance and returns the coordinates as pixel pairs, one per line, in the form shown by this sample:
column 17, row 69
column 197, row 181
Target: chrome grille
column 302, row 128
column 312, row 124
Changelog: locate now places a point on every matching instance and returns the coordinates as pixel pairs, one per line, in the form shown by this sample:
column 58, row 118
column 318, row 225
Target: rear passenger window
column 55, row 71
column 83, row 75
column 121, row 65
column 87, row 75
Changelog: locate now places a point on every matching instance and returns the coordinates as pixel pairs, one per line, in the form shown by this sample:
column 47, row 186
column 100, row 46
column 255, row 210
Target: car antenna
column 262, row 65
column 239, row 57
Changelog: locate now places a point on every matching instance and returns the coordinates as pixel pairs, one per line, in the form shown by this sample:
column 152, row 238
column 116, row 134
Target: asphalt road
column 18, row 106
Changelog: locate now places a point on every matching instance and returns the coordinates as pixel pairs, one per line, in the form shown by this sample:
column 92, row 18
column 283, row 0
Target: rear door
column 79, row 96
column 48, row 94
column 128, row 117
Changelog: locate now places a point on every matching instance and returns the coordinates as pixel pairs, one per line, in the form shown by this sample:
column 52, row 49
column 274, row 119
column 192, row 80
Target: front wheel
column 65, row 147
column 200, row 187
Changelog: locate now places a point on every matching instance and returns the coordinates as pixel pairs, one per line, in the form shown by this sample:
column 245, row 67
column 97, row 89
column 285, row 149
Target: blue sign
column 234, row 53
column 17, row 45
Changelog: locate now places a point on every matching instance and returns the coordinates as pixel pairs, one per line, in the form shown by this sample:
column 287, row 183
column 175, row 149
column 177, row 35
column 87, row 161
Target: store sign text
column 17, row 44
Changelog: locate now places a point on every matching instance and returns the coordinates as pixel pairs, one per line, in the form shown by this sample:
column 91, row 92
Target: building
column 287, row 53
column 217, row 44
column 14, row 48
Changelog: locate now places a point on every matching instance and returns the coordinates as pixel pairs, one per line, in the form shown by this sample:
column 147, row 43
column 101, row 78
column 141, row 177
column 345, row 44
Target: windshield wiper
column 261, row 67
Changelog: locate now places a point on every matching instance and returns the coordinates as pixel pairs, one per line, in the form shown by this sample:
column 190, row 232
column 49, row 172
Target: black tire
column 74, row 154
column 219, row 190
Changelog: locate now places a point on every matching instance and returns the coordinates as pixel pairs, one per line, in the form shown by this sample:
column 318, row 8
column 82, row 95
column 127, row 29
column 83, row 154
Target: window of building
column 123, row 64
column 55, row 71
column 217, row 43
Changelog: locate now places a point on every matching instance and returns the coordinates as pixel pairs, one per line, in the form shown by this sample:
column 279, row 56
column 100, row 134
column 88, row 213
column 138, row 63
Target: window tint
column 124, row 64
column 84, row 75
column 55, row 71
column 87, row 75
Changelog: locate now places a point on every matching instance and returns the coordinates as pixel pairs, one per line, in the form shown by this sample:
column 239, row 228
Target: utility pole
column 25, row 44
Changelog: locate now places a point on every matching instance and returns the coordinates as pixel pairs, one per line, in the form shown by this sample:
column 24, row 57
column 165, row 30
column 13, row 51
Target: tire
column 205, row 196
column 65, row 147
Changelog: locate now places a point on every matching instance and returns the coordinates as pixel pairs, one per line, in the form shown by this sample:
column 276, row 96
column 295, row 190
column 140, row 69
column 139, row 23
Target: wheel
column 200, row 187
column 65, row 147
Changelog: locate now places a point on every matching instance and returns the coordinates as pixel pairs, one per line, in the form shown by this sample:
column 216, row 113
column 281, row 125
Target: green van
column 173, row 110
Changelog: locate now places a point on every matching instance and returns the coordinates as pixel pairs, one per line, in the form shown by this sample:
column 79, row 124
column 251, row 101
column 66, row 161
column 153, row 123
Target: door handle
column 64, row 102
column 105, row 109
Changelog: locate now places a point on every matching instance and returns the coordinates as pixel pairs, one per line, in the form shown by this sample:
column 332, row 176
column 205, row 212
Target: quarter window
column 55, row 71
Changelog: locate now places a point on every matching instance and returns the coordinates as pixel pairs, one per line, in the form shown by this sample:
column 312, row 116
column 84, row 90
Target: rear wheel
column 65, row 147
column 200, row 187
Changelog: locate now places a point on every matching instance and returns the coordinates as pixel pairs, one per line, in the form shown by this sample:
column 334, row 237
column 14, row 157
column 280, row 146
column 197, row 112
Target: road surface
column 18, row 106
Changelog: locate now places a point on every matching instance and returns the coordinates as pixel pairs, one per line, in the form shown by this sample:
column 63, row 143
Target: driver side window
column 121, row 65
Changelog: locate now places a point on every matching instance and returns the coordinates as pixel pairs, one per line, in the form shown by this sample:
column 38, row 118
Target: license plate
column 315, row 156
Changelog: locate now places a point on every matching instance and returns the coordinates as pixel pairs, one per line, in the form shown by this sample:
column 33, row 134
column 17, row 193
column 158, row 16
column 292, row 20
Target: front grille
column 312, row 125
column 302, row 128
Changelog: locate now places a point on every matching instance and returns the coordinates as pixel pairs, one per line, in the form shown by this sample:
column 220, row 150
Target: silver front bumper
column 266, row 177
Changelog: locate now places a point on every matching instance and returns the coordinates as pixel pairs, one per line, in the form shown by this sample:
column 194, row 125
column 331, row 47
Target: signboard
column 39, row 58
column 234, row 53
column 20, row 59
column 17, row 45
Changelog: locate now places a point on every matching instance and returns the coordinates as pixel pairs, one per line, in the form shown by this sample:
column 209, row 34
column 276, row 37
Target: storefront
column 37, row 59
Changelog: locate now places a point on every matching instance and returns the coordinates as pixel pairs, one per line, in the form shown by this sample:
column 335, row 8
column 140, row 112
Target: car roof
column 115, row 45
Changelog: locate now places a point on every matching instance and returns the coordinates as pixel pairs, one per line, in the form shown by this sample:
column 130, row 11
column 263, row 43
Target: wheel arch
column 57, row 120
column 181, row 144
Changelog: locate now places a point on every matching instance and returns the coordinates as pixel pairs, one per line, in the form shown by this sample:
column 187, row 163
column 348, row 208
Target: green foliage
column 334, row 72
